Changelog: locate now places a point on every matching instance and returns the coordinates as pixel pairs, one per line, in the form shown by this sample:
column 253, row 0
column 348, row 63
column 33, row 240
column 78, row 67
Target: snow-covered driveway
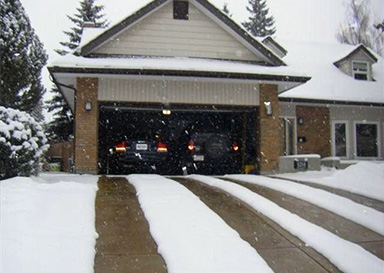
column 149, row 223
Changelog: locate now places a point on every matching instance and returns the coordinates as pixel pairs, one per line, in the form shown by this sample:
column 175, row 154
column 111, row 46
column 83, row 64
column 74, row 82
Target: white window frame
column 377, row 123
column 368, row 73
column 347, row 136
column 294, row 133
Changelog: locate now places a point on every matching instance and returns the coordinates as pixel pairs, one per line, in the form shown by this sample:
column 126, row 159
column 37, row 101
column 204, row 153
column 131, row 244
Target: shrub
column 22, row 144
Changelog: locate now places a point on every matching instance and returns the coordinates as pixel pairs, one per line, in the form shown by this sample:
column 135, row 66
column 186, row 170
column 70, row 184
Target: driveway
column 126, row 245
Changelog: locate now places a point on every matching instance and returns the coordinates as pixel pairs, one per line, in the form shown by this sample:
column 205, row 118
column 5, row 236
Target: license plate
column 198, row 158
column 142, row 147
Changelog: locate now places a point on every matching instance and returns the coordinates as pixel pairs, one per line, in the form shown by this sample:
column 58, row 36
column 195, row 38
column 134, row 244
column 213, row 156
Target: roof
column 175, row 66
column 328, row 83
column 87, row 48
column 358, row 48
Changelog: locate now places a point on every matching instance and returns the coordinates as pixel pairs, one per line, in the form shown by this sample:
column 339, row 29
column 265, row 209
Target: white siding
column 160, row 35
column 178, row 92
column 287, row 109
column 359, row 114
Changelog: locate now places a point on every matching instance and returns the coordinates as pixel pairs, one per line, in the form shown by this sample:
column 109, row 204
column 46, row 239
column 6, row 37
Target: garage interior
column 133, row 121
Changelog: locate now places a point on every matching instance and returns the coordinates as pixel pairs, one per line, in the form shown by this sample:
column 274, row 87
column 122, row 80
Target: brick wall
column 316, row 130
column 86, row 126
column 64, row 151
column 268, row 130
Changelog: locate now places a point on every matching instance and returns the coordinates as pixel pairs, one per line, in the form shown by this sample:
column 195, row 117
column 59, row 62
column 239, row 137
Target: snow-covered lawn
column 48, row 225
column 365, row 178
column 189, row 235
column 344, row 207
column 347, row 256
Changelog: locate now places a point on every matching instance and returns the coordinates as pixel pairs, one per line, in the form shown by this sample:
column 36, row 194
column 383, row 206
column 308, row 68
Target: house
column 340, row 111
column 174, row 61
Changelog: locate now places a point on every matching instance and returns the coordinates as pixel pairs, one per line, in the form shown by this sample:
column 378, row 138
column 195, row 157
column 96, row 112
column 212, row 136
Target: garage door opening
column 175, row 141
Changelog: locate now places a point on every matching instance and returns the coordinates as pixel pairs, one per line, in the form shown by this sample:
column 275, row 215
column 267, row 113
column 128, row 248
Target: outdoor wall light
column 88, row 106
column 268, row 108
column 166, row 112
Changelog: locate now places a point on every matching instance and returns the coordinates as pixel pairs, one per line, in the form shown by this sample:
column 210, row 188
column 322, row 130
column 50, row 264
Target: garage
column 176, row 126
column 206, row 72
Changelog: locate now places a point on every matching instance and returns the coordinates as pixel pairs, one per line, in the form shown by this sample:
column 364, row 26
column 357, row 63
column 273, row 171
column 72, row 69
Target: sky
column 306, row 20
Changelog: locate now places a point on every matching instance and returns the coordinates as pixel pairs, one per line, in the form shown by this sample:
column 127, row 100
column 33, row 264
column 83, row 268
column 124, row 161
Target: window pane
column 362, row 77
column 340, row 139
column 366, row 140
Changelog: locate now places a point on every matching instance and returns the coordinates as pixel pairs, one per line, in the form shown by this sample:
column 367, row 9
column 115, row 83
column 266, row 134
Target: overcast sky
column 309, row 20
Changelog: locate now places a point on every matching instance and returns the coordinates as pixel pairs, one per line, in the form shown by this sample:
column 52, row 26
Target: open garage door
column 179, row 140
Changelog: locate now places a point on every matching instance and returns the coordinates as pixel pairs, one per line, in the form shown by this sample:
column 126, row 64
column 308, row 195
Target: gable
column 361, row 55
column 159, row 34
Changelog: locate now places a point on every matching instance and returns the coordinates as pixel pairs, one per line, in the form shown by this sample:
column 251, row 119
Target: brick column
column 268, row 130
column 315, row 130
column 86, row 126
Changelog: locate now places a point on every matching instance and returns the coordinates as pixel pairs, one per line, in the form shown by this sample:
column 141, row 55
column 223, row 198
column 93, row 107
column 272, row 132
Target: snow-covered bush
column 22, row 143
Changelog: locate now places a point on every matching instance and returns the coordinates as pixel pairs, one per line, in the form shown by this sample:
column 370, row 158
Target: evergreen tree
column 259, row 23
column 358, row 28
column 61, row 128
column 22, row 58
column 226, row 10
column 87, row 12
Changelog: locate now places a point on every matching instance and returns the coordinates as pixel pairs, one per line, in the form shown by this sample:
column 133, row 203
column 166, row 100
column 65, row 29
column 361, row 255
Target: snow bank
column 364, row 178
column 344, row 207
column 347, row 256
column 190, row 237
column 47, row 227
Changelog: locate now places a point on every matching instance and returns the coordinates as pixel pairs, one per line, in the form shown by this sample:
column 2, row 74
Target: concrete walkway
column 366, row 201
column 344, row 228
column 282, row 251
column 125, row 244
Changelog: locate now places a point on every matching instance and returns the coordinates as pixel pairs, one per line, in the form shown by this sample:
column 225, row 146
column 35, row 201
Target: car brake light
column 121, row 147
column 235, row 147
column 191, row 146
column 161, row 147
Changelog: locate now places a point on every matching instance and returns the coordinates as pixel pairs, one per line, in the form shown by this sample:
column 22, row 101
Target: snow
column 347, row 256
column 365, row 178
column 329, row 82
column 175, row 63
column 47, row 227
column 344, row 207
column 301, row 156
column 190, row 237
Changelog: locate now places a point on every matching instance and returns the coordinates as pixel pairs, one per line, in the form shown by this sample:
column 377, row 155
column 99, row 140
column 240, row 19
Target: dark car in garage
column 211, row 150
column 147, row 150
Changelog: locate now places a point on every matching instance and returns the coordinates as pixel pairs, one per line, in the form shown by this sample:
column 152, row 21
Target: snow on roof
column 89, row 33
column 174, row 64
column 329, row 82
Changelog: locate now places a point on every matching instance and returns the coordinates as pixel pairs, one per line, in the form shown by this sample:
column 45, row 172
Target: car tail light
column 161, row 147
column 121, row 147
column 191, row 145
column 235, row 147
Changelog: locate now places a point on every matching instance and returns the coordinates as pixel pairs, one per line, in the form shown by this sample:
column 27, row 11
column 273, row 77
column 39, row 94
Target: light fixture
column 166, row 112
column 268, row 108
column 88, row 106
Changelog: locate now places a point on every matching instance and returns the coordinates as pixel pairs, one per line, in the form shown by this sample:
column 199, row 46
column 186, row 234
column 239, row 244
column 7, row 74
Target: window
column 288, row 136
column 340, row 138
column 367, row 140
column 360, row 70
column 180, row 10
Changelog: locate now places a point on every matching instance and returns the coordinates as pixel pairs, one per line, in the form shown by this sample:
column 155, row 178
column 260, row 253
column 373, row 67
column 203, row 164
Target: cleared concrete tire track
column 282, row 251
column 125, row 244
column 338, row 225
